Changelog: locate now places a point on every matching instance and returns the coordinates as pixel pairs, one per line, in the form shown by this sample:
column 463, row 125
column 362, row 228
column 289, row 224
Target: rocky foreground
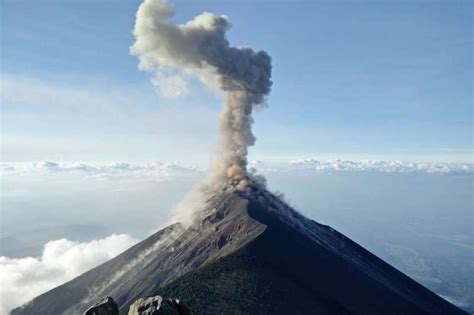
column 155, row 305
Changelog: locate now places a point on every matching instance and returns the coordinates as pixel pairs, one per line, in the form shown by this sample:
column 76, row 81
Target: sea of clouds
column 128, row 171
column 164, row 171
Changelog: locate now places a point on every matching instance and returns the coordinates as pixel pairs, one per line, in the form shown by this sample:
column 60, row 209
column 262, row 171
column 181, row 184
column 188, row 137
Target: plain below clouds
column 61, row 261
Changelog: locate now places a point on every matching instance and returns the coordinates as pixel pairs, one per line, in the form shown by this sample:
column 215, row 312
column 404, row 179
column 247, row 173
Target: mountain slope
column 250, row 254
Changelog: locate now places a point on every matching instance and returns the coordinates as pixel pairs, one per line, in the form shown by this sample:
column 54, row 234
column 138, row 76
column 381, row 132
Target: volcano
column 249, row 253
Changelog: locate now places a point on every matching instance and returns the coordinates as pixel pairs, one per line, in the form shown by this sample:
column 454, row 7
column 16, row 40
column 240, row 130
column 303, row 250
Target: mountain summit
column 249, row 253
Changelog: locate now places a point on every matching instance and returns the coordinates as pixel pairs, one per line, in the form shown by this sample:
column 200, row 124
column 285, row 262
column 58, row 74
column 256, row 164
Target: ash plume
column 200, row 47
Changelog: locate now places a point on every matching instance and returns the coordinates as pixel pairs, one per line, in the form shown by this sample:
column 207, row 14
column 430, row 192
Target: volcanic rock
column 156, row 305
column 249, row 253
column 106, row 306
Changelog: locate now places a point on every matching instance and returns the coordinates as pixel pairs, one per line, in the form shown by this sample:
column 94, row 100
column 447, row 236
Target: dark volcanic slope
column 252, row 254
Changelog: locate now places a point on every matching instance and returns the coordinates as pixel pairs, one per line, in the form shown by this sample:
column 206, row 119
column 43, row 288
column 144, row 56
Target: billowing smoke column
column 200, row 47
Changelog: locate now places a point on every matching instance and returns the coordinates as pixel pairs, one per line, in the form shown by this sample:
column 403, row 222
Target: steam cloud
column 200, row 48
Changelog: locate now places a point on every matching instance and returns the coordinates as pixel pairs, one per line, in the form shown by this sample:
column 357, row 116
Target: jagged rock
column 106, row 306
column 156, row 305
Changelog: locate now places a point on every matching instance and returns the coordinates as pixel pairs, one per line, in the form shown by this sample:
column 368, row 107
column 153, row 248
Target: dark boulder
column 106, row 306
column 156, row 305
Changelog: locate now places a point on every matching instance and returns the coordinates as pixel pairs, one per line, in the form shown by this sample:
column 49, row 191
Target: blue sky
column 381, row 80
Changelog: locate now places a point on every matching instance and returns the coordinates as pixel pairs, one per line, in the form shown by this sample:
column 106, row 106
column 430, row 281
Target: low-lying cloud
column 383, row 166
column 157, row 170
column 61, row 261
column 165, row 170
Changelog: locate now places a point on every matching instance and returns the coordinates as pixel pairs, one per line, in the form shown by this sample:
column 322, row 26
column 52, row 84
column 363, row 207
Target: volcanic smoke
column 200, row 48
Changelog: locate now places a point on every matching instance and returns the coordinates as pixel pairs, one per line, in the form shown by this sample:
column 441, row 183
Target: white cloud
column 157, row 171
column 388, row 166
column 169, row 170
column 61, row 261
column 160, row 171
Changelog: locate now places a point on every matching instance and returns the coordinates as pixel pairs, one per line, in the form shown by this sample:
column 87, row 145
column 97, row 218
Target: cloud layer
column 61, row 261
column 168, row 171
column 157, row 171
column 381, row 166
